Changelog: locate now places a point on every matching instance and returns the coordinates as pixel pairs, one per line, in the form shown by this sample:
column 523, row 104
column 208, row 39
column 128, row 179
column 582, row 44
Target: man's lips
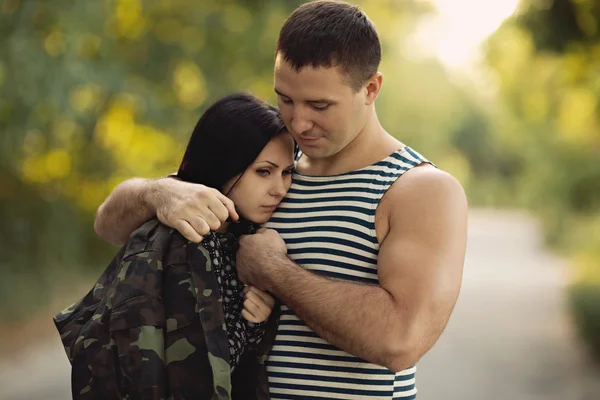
column 310, row 140
column 310, row 137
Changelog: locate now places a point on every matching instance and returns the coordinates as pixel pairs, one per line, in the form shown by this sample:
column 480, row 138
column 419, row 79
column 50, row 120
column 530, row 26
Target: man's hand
column 257, row 304
column 253, row 251
column 192, row 209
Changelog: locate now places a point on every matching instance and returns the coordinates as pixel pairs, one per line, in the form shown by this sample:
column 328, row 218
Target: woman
column 169, row 318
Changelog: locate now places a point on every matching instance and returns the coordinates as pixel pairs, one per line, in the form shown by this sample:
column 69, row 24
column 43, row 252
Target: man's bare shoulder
column 424, row 190
column 424, row 180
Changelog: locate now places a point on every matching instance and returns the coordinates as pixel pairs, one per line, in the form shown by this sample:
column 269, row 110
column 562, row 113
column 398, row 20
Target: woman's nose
column 279, row 188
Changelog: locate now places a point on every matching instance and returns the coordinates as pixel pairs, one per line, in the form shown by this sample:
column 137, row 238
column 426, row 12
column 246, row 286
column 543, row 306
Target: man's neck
column 370, row 146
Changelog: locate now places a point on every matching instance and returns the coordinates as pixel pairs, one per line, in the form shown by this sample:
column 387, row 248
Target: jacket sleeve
column 212, row 317
column 71, row 320
column 137, row 326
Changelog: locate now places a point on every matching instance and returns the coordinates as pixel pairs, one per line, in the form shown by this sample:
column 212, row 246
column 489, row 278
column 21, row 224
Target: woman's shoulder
column 150, row 235
column 154, row 236
column 166, row 242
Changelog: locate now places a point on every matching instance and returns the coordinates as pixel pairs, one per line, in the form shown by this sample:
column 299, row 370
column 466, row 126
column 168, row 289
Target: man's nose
column 300, row 121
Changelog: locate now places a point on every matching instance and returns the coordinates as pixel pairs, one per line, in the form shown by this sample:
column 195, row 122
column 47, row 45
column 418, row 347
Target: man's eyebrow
column 279, row 93
column 318, row 101
column 321, row 101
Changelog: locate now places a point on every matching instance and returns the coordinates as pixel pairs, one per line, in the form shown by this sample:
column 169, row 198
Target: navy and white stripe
column 328, row 224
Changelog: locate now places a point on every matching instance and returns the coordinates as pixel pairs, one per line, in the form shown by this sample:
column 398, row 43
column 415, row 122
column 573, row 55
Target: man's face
column 319, row 107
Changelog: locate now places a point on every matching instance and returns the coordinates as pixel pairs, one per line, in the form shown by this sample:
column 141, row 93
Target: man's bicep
column 420, row 260
column 416, row 272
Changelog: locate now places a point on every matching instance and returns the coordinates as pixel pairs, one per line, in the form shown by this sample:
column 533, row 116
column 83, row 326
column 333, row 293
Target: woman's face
column 265, row 182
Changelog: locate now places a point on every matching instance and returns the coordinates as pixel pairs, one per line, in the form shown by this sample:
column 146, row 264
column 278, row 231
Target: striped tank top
column 328, row 224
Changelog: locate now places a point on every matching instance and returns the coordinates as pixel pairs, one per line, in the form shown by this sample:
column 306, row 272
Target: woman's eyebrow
column 273, row 164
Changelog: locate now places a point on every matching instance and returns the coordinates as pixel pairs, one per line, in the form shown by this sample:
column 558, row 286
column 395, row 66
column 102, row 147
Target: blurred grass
column 585, row 304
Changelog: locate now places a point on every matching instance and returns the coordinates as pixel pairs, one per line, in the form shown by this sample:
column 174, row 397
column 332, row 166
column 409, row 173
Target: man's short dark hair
column 327, row 33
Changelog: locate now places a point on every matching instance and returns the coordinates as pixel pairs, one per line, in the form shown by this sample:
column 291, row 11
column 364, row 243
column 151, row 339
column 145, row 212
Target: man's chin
column 316, row 152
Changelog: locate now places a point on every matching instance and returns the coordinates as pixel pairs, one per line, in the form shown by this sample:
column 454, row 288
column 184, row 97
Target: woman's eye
column 262, row 172
column 287, row 172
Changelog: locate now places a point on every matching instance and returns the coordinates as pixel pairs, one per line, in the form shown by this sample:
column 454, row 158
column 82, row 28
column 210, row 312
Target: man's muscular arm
column 124, row 210
column 190, row 208
column 419, row 266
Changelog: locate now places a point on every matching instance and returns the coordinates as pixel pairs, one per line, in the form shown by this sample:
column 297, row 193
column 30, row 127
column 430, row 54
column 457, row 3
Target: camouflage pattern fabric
column 153, row 327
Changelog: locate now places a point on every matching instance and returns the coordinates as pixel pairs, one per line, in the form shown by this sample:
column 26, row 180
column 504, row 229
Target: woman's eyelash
column 266, row 171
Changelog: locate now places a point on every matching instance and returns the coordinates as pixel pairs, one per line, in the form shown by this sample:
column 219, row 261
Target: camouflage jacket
column 153, row 328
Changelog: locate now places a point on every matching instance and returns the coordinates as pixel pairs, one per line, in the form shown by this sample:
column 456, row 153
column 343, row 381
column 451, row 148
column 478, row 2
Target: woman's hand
column 257, row 304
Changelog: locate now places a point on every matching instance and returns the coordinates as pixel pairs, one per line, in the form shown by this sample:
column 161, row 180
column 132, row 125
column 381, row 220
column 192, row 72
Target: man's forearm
column 358, row 318
column 125, row 210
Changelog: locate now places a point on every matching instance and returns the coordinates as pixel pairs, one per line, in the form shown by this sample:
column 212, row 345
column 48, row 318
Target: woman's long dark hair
column 227, row 139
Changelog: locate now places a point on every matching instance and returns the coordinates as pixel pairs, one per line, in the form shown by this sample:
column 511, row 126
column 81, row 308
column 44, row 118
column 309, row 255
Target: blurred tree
column 557, row 25
column 547, row 62
column 551, row 88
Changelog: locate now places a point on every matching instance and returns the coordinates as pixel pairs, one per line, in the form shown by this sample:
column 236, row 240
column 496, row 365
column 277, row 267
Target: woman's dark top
column 241, row 333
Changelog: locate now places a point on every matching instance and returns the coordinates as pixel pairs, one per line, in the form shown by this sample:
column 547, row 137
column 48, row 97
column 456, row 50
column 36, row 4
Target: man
column 368, row 265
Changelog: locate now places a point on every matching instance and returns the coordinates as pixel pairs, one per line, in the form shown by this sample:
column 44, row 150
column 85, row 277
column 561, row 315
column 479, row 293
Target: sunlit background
column 504, row 94
column 455, row 30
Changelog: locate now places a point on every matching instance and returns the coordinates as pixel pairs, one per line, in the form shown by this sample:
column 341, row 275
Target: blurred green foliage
column 547, row 63
column 585, row 298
